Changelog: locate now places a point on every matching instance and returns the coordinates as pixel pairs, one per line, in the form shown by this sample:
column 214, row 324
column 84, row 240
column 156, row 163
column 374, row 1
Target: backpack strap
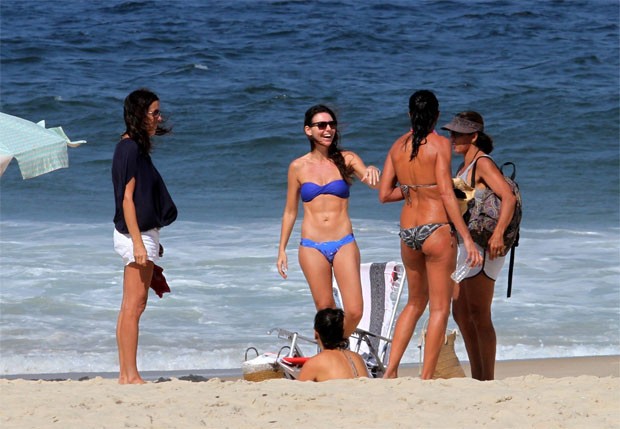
column 514, row 169
column 511, row 267
column 511, row 264
column 473, row 172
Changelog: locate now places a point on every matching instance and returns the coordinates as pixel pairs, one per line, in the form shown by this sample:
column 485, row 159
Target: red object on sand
column 158, row 282
column 299, row 361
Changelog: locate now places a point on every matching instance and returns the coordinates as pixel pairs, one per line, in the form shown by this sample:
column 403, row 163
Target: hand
column 282, row 264
column 474, row 258
column 372, row 175
column 139, row 254
column 496, row 246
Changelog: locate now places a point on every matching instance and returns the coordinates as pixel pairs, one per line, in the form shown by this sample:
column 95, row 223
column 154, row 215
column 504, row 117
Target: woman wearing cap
column 321, row 179
column 417, row 169
column 472, row 309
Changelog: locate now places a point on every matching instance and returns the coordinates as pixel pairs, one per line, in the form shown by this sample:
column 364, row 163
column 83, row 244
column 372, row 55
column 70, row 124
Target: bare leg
column 460, row 312
column 440, row 257
column 318, row 273
column 413, row 310
column 136, row 282
column 347, row 273
column 473, row 316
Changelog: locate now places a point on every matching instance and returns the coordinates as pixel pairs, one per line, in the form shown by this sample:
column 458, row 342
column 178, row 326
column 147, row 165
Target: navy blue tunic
column 154, row 206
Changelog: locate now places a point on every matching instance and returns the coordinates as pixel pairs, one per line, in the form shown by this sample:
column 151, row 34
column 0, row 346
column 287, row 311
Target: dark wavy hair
column 484, row 142
column 329, row 324
column 424, row 111
column 333, row 152
column 135, row 110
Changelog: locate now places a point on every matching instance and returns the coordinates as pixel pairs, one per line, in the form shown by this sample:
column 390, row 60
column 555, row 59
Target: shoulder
column 402, row 140
column 298, row 163
column 438, row 140
column 485, row 163
column 349, row 155
column 126, row 145
column 439, row 145
column 296, row 169
column 353, row 160
column 126, row 153
column 400, row 144
column 313, row 367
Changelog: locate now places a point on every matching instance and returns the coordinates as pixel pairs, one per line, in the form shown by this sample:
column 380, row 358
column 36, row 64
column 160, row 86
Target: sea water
column 235, row 79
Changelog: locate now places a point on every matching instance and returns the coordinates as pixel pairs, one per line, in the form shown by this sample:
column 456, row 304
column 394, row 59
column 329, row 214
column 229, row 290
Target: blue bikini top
column 310, row 190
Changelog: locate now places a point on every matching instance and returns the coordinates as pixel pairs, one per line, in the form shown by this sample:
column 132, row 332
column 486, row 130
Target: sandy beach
column 541, row 393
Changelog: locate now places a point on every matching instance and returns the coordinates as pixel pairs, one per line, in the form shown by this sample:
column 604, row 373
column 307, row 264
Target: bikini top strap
column 351, row 363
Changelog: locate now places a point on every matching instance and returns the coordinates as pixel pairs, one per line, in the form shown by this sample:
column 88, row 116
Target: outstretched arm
column 369, row 175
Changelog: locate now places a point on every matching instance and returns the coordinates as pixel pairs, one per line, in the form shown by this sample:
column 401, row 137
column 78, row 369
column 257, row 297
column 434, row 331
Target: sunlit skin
column 428, row 269
column 325, row 218
column 137, row 277
column 471, row 307
column 332, row 364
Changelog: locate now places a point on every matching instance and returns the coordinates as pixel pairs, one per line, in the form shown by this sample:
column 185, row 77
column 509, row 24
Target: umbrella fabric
column 38, row 150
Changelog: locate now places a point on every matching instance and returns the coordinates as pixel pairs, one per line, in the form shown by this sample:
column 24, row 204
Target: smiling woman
column 322, row 179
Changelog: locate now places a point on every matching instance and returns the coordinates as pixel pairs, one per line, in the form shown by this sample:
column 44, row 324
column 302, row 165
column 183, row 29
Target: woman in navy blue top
column 143, row 206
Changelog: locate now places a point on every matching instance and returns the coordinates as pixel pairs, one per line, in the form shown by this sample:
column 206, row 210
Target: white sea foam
column 60, row 296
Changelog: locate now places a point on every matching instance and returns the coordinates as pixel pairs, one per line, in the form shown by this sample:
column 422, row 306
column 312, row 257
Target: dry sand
column 542, row 393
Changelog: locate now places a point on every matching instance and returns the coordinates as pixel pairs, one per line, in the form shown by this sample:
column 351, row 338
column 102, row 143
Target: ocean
column 235, row 79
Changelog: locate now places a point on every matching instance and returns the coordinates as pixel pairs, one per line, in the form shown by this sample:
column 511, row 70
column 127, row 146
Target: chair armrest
column 362, row 333
column 285, row 334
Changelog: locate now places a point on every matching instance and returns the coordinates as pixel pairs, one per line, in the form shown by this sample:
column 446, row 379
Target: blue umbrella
column 38, row 150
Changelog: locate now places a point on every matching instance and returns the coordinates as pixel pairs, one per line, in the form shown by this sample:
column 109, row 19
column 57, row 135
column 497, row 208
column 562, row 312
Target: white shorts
column 490, row 268
column 124, row 246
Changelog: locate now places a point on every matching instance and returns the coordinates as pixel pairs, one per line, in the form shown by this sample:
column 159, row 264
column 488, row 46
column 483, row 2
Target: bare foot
column 134, row 380
column 390, row 374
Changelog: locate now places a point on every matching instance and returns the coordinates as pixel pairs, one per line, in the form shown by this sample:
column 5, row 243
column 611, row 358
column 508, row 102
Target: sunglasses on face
column 323, row 124
column 155, row 113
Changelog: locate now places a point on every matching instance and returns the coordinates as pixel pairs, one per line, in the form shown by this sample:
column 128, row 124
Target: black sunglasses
column 323, row 124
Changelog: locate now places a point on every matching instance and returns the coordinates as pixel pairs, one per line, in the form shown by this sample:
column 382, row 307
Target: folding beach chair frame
column 376, row 360
column 290, row 371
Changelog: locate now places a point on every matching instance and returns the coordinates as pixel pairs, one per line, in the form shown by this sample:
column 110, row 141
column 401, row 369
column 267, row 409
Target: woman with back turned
column 417, row 169
column 143, row 206
column 335, row 361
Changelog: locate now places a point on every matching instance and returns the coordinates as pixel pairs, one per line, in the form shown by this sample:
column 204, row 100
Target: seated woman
column 335, row 361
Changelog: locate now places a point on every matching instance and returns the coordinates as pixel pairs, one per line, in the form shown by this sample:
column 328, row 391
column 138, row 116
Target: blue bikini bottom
column 328, row 248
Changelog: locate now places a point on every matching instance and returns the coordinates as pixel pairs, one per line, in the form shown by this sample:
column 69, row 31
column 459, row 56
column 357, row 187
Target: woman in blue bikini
column 321, row 178
column 417, row 169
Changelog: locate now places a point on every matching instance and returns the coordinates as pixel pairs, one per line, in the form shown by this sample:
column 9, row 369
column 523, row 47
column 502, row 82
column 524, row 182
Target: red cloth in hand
column 158, row 282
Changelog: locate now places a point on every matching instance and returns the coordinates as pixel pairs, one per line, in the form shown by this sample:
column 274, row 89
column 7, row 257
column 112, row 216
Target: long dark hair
column 484, row 142
column 135, row 111
column 329, row 324
column 333, row 152
column 424, row 111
